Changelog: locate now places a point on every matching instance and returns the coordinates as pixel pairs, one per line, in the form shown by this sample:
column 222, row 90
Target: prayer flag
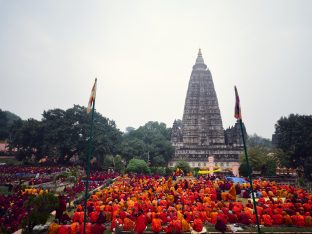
column 238, row 113
column 92, row 97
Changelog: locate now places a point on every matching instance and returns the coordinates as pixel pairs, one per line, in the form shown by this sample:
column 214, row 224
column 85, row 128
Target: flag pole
column 90, row 151
column 239, row 117
column 249, row 175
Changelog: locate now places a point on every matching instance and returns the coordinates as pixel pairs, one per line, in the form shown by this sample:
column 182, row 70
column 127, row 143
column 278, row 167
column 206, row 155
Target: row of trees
column 63, row 134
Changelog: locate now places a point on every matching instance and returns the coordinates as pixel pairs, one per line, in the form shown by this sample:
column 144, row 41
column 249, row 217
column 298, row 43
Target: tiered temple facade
column 200, row 138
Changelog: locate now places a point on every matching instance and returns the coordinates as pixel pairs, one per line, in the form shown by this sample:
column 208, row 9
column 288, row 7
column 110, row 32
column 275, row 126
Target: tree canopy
column 150, row 142
column 6, row 121
column 260, row 159
column 256, row 141
column 63, row 134
column 294, row 139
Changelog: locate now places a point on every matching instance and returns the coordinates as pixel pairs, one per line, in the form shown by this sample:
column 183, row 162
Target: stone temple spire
column 200, row 59
column 202, row 123
column 200, row 64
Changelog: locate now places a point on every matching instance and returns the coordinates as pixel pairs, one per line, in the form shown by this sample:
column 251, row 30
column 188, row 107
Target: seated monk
column 308, row 220
column 185, row 225
column 140, row 224
column 177, row 225
column 74, row 228
column 198, row 225
column 267, row 220
column 156, row 224
column 53, row 228
column 277, row 218
column 232, row 193
column 220, row 225
column 224, row 196
column 128, row 224
column 298, row 219
column 63, row 229
column 88, row 228
column 287, row 219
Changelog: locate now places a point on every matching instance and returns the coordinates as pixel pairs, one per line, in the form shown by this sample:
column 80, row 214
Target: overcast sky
column 143, row 51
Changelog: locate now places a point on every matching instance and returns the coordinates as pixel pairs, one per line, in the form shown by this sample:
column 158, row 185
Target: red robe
column 63, row 229
column 140, row 224
column 156, row 225
column 267, row 220
column 98, row 228
column 198, row 225
column 128, row 224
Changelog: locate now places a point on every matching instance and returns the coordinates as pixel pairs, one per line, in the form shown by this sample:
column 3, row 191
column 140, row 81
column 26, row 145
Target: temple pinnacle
column 199, row 59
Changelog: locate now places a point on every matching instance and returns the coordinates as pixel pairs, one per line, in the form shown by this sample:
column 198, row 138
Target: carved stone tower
column 200, row 136
column 202, row 123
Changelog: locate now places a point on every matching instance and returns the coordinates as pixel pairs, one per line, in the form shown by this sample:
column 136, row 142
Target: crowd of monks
column 182, row 205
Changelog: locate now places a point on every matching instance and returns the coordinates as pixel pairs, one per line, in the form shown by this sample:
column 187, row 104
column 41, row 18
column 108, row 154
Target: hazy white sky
column 143, row 51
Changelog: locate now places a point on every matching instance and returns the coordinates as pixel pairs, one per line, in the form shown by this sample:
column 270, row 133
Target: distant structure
column 200, row 138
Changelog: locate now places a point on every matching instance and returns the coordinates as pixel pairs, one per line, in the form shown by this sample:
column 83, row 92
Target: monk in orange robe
column 74, row 227
column 267, row 220
column 128, row 224
column 53, row 228
column 185, row 225
column 213, row 217
column 224, row 196
column 156, row 224
column 232, row 193
column 287, row 218
column 298, row 220
column 277, row 218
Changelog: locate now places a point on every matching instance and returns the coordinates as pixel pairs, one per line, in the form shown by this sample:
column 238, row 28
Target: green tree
column 138, row 166
column 27, row 139
column 63, row 134
column 255, row 141
column 3, row 125
column 6, row 121
column 243, row 169
column 39, row 209
column 294, row 138
column 184, row 166
column 68, row 133
column 150, row 142
column 260, row 159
